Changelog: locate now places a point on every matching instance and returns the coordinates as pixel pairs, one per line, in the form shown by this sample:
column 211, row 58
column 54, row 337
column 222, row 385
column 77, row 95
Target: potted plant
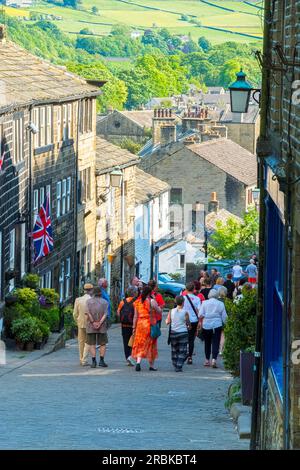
column 48, row 298
column 11, row 299
column 24, row 330
column 31, row 280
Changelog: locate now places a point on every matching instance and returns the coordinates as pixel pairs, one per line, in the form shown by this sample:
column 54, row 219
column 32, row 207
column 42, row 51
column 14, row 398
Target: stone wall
column 115, row 127
column 272, row 422
column 181, row 168
column 244, row 134
column 110, row 229
column 13, row 193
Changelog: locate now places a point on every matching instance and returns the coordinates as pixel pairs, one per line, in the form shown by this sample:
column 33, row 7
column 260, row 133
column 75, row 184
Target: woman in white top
column 212, row 317
column 179, row 322
column 237, row 273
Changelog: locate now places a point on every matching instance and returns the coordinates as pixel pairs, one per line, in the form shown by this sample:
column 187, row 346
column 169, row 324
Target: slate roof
column 148, row 187
column 108, row 156
column 142, row 118
column 219, row 100
column 222, row 215
column 26, row 79
column 229, row 157
column 248, row 118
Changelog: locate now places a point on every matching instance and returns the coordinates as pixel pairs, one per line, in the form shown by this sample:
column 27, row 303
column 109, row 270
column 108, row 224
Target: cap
column 88, row 286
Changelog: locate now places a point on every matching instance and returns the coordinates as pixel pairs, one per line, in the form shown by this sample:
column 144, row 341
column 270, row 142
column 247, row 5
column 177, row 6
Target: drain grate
column 120, row 431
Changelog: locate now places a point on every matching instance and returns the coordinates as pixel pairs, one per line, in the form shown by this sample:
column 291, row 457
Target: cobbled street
column 53, row 403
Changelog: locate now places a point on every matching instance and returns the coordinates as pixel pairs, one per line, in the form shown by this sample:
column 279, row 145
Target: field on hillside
column 240, row 25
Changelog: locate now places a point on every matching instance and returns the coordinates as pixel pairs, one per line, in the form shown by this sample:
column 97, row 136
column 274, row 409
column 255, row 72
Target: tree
column 72, row 3
column 114, row 92
column 204, row 44
column 86, row 31
column 227, row 73
column 235, row 239
column 95, row 10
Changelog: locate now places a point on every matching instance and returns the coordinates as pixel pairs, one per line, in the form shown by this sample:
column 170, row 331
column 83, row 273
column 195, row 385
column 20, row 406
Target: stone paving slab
column 53, row 403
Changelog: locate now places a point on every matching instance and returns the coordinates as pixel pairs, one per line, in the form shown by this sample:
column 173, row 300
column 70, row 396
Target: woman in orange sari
column 144, row 347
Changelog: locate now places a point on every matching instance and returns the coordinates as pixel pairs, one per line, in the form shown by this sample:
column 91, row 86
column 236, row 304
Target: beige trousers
column 83, row 347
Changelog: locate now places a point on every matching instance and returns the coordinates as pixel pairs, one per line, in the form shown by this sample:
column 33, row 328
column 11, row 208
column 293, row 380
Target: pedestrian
column 255, row 259
column 222, row 296
column 103, row 284
column 97, row 311
column 219, row 283
column 179, row 322
column 126, row 313
column 237, row 273
column 197, row 291
column 81, row 320
column 159, row 299
column 214, row 316
column 192, row 305
column 251, row 270
column 214, row 276
column 230, row 286
column 134, row 283
column 247, row 286
column 144, row 346
column 207, row 288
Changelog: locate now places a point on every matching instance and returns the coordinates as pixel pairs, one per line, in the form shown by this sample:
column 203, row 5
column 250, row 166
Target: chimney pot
column 213, row 205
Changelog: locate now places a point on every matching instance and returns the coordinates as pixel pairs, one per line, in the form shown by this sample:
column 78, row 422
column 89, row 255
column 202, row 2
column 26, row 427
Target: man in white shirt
column 192, row 305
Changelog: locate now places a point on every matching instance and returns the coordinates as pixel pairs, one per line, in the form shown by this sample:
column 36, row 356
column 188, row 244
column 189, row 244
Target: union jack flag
column 42, row 232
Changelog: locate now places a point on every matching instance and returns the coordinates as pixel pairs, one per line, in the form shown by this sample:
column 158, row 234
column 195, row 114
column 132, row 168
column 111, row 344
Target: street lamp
column 116, row 177
column 240, row 93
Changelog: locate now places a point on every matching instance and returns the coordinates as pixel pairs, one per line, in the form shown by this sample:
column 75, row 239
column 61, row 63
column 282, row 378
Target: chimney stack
column 166, row 119
column 2, row 33
column 213, row 205
column 167, row 134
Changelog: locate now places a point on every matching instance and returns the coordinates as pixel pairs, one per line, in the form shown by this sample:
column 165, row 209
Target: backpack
column 127, row 312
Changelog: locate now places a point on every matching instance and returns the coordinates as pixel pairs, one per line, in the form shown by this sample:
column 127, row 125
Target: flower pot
column 48, row 305
column 29, row 346
column 247, row 376
column 11, row 300
column 19, row 345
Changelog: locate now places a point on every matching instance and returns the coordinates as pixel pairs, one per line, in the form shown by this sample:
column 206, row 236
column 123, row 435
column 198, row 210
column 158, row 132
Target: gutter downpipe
column 76, row 274
column 256, row 398
column 29, row 218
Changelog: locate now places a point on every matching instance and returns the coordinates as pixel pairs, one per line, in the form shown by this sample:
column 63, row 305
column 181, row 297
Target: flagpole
column 29, row 220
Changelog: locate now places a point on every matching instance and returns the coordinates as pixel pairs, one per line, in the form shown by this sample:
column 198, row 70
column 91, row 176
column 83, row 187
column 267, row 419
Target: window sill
column 44, row 149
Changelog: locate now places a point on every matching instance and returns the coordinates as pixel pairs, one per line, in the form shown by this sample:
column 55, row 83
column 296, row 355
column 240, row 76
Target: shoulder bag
column 154, row 328
column 200, row 330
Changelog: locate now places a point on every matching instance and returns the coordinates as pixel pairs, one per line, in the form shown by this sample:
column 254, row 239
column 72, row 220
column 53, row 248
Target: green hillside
column 218, row 20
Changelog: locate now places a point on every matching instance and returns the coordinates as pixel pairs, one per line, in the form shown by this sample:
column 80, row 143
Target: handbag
column 170, row 329
column 131, row 341
column 155, row 331
column 154, row 328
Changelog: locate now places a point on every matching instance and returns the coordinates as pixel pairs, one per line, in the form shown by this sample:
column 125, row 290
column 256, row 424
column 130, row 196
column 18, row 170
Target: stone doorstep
column 242, row 416
column 55, row 342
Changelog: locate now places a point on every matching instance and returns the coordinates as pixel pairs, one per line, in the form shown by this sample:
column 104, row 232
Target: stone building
column 39, row 105
column 118, row 125
column 198, row 161
column 243, row 129
column 276, row 408
column 115, row 250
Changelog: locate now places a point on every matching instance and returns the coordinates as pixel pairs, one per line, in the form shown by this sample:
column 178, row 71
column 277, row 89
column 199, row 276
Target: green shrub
column 169, row 302
column 11, row 313
column 239, row 330
column 50, row 295
column 69, row 321
column 44, row 329
column 176, row 276
column 31, row 280
column 25, row 329
column 51, row 317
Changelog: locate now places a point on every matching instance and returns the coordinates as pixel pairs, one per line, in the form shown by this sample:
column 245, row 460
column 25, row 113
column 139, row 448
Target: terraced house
column 47, row 135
